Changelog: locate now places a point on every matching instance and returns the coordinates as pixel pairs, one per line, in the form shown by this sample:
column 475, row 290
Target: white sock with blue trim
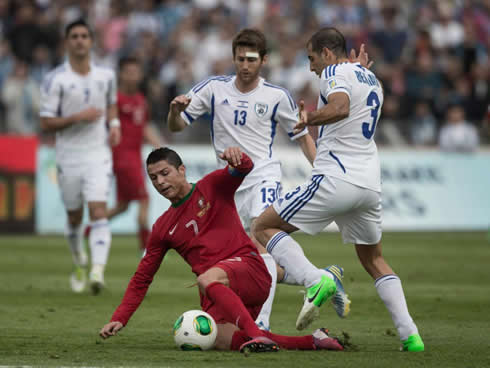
column 390, row 291
column 265, row 312
column 100, row 241
column 290, row 256
column 75, row 239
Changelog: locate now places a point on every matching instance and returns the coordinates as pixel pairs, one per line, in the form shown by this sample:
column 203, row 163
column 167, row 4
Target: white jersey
column 245, row 120
column 346, row 149
column 64, row 93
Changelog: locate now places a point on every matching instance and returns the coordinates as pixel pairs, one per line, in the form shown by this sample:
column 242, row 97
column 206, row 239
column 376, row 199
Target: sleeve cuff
column 187, row 117
column 293, row 136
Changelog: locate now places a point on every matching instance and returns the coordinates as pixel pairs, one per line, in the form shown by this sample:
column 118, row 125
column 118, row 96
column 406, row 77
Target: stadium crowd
column 432, row 56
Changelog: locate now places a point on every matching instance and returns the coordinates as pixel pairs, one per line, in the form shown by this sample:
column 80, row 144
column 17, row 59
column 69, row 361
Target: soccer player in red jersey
column 128, row 166
column 203, row 226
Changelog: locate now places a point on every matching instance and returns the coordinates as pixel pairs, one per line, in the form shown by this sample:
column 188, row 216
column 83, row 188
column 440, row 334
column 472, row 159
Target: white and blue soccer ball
column 195, row 330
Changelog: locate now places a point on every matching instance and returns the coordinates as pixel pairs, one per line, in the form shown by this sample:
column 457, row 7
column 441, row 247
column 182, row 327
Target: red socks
column 232, row 308
column 285, row 342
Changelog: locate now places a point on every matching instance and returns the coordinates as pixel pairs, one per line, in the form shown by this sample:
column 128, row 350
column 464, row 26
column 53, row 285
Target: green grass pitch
column 446, row 278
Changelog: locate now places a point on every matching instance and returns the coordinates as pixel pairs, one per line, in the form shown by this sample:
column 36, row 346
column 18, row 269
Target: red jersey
column 133, row 114
column 204, row 228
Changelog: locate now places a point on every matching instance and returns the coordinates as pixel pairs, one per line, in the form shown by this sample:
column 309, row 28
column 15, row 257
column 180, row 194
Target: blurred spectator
column 446, row 32
column 41, row 63
column 21, row 95
column 423, row 80
column 457, row 135
column 423, row 130
column 390, row 38
column 435, row 51
column 389, row 130
column 25, row 33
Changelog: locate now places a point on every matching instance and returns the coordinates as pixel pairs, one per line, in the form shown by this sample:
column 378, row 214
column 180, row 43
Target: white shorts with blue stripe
column 314, row 205
column 252, row 201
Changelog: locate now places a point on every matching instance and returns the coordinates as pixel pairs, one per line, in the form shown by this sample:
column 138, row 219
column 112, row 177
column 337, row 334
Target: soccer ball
column 195, row 330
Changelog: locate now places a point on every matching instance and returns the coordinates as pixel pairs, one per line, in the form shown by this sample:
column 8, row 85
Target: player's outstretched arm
column 110, row 329
column 308, row 147
column 175, row 122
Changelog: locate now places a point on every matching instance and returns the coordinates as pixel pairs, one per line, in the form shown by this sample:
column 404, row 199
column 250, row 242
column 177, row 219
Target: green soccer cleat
column 314, row 298
column 340, row 300
column 413, row 343
column 78, row 279
column 96, row 279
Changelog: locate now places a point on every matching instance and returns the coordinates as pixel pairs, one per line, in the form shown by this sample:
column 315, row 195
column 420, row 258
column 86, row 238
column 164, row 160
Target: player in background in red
column 135, row 130
column 203, row 226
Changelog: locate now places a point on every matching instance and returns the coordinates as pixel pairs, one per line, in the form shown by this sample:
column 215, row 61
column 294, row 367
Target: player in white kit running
column 345, row 187
column 245, row 111
column 78, row 99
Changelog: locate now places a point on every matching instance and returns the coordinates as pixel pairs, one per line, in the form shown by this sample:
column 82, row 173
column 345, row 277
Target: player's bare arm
column 86, row 116
column 110, row 329
column 308, row 147
column 114, row 125
column 152, row 137
column 233, row 155
column 175, row 122
column 336, row 110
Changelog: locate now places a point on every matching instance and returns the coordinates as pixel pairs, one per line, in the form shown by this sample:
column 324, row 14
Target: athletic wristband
column 115, row 123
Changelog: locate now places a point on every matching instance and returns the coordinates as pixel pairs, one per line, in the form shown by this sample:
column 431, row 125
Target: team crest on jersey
column 332, row 83
column 204, row 207
column 261, row 109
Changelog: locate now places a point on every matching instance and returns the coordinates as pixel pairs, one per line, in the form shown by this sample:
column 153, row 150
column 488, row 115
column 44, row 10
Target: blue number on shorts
column 372, row 100
column 268, row 198
column 240, row 117
column 289, row 195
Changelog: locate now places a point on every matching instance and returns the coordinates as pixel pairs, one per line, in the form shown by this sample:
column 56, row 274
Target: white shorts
column 87, row 182
column 252, row 201
column 315, row 204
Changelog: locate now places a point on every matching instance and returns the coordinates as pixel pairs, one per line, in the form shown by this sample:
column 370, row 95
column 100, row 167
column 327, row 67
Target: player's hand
column 233, row 155
column 363, row 57
column 303, row 118
column 110, row 329
column 114, row 136
column 179, row 104
column 89, row 115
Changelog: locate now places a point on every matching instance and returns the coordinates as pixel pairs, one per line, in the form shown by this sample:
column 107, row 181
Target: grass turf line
column 445, row 277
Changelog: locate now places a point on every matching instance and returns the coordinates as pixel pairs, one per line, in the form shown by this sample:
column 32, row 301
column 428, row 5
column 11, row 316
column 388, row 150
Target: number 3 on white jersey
column 368, row 128
column 193, row 223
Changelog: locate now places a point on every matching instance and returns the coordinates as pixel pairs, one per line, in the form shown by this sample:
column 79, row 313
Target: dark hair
column 128, row 60
column 331, row 38
column 253, row 38
column 164, row 153
column 77, row 23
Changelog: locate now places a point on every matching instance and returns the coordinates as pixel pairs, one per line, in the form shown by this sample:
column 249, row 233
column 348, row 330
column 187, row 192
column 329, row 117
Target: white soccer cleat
column 78, row 279
column 96, row 279
column 315, row 296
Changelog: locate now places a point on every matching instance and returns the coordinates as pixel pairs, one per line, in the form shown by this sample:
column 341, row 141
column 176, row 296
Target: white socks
column 390, row 291
column 75, row 239
column 289, row 255
column 265, row 312
column 100, row 241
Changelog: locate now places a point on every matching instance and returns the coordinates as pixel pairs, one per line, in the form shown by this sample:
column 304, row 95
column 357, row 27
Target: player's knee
column 204, row 280
column 211, row 276
column 98, row 213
